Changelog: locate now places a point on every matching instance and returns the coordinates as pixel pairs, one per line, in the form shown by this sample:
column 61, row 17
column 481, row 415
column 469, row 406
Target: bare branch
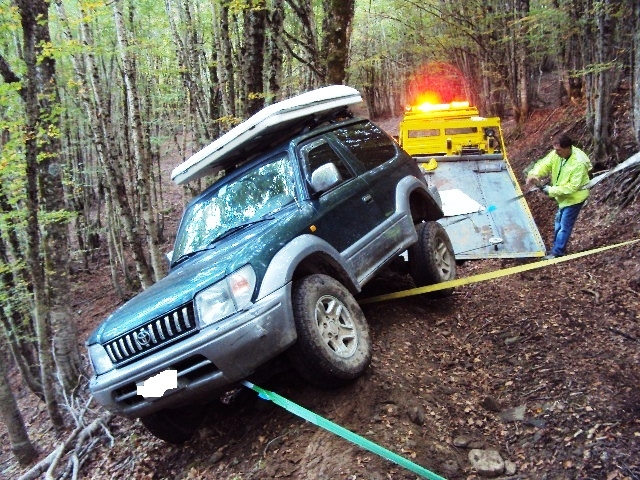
column 74, row 441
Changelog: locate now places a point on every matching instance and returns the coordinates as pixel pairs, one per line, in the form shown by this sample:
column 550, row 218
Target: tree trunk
column 305, row 38
column 275, row 51
column 23, row 353
column 224, row 59
column 605, row 76
column 38, row 92
column 55, row 234
column 21, row 445
column 115, row 257
column 523, row 70
column 338, row 18
column 255, row 18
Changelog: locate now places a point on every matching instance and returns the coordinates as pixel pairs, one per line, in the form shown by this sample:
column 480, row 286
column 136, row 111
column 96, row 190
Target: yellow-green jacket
column 567, row 176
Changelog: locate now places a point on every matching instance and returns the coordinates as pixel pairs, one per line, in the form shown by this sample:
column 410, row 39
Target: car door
column 346, row 214
column 383, row 166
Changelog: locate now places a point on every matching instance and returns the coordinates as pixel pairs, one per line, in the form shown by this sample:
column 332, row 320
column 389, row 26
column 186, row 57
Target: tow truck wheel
column 334, row 345
column 174, row 425
column 431, row 258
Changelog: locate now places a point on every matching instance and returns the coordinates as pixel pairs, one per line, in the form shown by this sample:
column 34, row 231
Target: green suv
column 267, row 262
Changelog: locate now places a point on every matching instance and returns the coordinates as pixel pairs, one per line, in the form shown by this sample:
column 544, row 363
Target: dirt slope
column 541, row 366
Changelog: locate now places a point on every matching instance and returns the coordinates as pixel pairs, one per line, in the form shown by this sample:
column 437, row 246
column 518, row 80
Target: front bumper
column 207, row 363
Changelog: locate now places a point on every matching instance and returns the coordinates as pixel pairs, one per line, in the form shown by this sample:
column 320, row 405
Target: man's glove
column 532, row 181
column 545, row 190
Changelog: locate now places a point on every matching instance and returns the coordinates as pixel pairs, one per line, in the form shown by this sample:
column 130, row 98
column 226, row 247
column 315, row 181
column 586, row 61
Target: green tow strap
column 341, row 431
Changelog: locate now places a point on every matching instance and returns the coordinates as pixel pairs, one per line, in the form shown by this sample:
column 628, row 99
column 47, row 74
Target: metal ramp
column 483, row 215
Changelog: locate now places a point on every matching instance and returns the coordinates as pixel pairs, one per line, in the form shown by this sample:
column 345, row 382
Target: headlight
column 226, row 297
column 99, row 359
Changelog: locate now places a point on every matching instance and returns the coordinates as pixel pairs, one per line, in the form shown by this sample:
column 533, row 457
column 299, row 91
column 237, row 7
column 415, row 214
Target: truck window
column 460, row 130
column 266, row 188
column 370, row 145
column 431, row 132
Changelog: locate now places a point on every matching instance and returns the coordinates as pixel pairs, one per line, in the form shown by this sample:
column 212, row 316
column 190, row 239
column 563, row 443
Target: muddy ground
column 542, row 367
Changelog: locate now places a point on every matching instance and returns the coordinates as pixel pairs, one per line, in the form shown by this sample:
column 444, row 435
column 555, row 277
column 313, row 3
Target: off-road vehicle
column 266, row 264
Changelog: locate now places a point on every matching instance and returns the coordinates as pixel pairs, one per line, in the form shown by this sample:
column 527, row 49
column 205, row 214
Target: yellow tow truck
column 463, row 155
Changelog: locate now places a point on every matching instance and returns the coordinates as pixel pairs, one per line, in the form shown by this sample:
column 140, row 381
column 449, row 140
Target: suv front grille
column 189, row 370
column 155, row 334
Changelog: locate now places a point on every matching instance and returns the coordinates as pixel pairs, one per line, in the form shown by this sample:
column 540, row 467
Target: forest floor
column 541, row 366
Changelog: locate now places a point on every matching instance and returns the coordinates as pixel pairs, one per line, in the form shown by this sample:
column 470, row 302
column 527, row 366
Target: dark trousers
column 565, row 220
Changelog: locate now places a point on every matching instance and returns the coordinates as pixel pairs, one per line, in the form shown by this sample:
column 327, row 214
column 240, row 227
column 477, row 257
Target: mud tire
column 431, row 258
column 334, row 344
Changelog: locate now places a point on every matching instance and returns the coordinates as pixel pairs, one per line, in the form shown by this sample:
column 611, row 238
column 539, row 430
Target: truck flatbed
column 464, row 157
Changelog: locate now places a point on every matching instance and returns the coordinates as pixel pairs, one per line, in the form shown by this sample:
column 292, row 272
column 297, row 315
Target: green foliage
column 12, row 151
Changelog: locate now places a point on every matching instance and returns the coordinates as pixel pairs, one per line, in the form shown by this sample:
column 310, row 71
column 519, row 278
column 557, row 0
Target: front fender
column 284, row 263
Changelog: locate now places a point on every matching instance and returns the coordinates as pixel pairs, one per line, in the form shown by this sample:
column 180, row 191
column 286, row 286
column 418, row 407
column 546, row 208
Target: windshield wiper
column 224, row 234
column 237, row 228
column 184, row 257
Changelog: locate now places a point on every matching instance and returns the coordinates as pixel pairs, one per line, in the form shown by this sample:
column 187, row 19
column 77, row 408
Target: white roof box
column 270, row 125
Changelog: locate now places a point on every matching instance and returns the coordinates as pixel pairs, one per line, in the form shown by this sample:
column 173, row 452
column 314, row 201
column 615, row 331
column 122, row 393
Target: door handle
column 367, row 198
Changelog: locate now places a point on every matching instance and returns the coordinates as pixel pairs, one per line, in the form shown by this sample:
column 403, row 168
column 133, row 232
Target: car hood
column 182, row 283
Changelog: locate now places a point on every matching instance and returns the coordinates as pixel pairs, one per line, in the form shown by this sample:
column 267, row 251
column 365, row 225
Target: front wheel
column 334, row 345
column 431, row 258
column 174, row 425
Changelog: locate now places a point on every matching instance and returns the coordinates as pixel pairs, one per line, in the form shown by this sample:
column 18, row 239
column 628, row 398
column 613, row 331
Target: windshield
column 248, row 198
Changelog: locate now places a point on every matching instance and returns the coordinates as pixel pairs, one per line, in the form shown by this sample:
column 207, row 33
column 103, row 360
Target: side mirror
column 325, row 177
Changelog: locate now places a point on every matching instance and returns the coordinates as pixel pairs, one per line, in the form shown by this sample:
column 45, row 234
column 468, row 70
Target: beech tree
column 602, row 69
column 255, row 17
column 21, row 445
column 275, row 51
column 46, row 246
column 337, row 25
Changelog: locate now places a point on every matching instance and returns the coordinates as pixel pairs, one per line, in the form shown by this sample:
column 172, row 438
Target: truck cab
column 453, row 130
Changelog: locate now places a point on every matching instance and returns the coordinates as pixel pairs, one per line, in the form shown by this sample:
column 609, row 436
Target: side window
column 370, row 145
column 318, row 153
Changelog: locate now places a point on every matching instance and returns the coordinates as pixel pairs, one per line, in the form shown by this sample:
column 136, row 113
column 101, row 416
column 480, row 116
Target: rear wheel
column 334, row 345
column 175, row 425
column 431, row 258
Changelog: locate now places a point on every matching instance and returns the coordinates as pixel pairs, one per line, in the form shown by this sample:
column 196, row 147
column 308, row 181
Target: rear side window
column 370, row 145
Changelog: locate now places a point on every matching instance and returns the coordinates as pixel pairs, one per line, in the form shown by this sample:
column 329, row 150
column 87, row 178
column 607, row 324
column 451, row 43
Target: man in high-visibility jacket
column 567, row 168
